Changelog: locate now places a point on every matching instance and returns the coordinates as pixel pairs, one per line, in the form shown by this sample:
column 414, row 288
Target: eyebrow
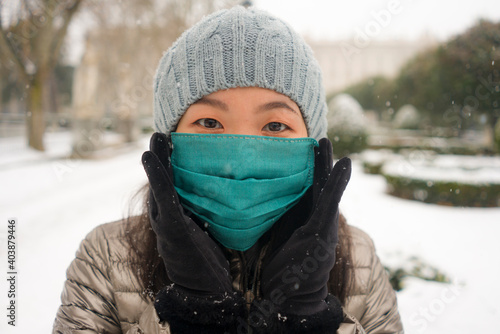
column 276, row 105
column 265, row 107
column 213, row 103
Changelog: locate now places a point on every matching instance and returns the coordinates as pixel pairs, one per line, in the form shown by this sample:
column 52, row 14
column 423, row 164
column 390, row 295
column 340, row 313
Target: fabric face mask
column 240, row 185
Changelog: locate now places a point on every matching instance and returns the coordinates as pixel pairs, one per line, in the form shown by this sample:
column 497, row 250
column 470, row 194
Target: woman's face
column 244, row 111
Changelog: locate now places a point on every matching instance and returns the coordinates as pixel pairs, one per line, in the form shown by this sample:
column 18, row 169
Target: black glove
column 295, row 276
column 201, row 298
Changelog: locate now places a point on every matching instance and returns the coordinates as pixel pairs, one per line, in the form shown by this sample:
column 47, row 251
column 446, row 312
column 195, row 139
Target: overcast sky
column 333, row 19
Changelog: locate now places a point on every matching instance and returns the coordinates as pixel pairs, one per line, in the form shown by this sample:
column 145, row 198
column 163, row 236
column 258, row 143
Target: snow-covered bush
column 446, row 179
column 407, row 117
column 373, row 160
column 347, row 127
column 414, row 267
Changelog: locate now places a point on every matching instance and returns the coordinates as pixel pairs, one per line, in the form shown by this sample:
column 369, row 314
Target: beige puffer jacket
column 102, row 294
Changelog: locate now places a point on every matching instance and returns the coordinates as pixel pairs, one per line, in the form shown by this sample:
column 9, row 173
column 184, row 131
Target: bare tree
column 32, row 33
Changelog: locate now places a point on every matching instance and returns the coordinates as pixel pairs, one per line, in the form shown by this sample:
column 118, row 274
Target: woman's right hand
column 193, row 261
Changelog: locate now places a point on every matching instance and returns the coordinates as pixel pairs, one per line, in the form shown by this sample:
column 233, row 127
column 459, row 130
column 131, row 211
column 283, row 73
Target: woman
column 241, row 231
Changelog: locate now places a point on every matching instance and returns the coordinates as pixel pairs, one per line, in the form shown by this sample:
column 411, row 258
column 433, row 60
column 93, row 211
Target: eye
column 275, row 127
column 209, row 123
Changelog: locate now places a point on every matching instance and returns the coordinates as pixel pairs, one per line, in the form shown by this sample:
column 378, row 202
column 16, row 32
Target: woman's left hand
column 295, row 277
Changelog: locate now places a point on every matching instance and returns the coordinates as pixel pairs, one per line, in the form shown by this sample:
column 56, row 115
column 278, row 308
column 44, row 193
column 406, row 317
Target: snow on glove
column 294, row 279
column 201, row 298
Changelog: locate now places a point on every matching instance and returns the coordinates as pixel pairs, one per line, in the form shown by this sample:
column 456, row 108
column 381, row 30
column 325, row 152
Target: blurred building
column 345, row 63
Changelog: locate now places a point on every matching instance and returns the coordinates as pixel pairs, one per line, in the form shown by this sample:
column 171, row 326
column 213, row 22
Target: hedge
column 451, row 193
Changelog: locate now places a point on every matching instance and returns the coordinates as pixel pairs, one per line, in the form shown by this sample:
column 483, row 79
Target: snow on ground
column 461, row 242
column 58, row 201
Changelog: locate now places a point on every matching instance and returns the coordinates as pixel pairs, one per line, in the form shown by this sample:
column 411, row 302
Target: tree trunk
column 35, row 121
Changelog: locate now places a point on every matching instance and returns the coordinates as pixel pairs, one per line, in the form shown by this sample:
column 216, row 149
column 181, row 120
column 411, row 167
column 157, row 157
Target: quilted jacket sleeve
column 87, row 301
column 373, row 307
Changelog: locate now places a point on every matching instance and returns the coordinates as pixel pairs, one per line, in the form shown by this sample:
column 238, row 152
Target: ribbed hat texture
column 238, row 47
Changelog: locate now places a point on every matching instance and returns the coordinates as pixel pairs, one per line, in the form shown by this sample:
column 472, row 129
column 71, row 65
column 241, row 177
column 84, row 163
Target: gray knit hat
column 238, row 47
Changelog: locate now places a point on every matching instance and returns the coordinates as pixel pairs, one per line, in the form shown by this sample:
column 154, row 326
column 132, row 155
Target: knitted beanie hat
column 238, row 47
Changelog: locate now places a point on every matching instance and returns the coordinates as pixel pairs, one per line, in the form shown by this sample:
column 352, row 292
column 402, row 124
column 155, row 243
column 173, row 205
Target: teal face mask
column 240, row 185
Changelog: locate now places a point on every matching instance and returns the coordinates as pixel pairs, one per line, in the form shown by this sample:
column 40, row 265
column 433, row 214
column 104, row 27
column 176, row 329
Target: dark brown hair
column 151, row 270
